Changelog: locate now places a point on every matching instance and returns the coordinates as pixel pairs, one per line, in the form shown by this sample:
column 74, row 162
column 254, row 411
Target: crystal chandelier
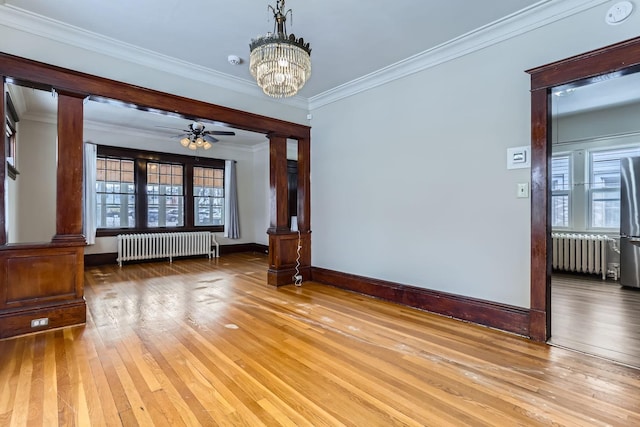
column 280, row 64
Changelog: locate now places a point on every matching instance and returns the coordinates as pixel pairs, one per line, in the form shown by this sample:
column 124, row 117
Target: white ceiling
column 349, row 39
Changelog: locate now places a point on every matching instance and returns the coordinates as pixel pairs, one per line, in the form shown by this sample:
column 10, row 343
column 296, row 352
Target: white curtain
column 231, row 218
column 89, row 193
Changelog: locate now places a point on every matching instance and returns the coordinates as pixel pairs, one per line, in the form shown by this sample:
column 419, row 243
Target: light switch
column 523, row 190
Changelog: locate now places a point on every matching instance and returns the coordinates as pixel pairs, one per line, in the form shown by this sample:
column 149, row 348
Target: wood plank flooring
column 596, row 317
column 207, row 342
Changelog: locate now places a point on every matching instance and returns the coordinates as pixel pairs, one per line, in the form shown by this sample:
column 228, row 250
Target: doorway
column 619, row 59
column 594, row 129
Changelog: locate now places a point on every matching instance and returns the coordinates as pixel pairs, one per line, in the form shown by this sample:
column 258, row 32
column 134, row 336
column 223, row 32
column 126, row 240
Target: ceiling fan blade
column 218, row 132
column 209, row 138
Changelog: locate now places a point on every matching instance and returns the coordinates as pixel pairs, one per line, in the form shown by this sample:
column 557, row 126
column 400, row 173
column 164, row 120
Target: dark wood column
column 69, row 171
column 3, row 169
column 286, row 247
column 304, row 185
column 278, row 184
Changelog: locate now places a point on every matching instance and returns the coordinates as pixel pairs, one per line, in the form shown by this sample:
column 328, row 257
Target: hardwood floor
column 596, row 317
column 207, row 342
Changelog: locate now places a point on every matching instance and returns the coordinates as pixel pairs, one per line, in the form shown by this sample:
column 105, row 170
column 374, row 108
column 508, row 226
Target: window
column 208, row 193
column 141, row 190
column 115, row 193
column 560, row 191
column 165, row 195
column 604, row 191
column 10, row 137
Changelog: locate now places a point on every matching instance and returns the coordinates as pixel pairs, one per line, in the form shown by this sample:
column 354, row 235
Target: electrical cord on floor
column 298, row 277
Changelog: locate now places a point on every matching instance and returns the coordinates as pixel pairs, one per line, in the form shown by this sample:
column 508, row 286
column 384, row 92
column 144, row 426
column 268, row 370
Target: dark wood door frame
column 623, row 57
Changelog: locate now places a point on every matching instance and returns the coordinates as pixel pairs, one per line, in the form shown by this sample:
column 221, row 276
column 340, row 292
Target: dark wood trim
column 622, row 57
column 107, row 90
column 93, row 260
column 129, row 153
column 243, row 247
column 3, row 164
column 304, row 187
column 70, row 168
column 501, row 316
column 141, row 157
column 278, row 184
column 18, row 322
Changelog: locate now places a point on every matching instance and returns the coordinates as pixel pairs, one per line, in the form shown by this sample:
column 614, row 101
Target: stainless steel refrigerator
column 630, row 222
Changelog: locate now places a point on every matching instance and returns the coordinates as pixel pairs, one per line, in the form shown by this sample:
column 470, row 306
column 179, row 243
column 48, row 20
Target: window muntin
column 208, row 194
column 560, row 191
column 165, row 195
column 115, row 193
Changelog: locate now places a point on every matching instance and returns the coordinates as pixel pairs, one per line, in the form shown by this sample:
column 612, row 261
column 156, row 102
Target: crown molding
column 28, row 22
column 535, row 16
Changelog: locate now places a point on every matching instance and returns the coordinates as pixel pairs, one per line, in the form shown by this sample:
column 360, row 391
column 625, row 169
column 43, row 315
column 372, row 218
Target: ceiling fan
column 196, row 137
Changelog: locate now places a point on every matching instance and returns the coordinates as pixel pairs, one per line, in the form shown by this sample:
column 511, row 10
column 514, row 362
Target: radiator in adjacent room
column 132, row 247
column 581, row 253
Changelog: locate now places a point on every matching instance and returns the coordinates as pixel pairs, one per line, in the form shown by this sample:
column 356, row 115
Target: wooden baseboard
column 18, row 322
column 243, row 247
column 495, row 315
column 92, row 260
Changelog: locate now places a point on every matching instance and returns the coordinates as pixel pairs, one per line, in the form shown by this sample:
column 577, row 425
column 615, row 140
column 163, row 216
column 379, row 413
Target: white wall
column 262, row 199
column 576, row 128
column 35, row 186
column 409, row 179
column 11, row 201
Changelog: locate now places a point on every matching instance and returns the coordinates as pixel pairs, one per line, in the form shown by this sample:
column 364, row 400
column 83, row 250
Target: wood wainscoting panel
column 48, row 277
column 41, row 282
column 487, row 313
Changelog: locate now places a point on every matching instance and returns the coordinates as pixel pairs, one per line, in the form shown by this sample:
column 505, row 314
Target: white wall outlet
column 37, row 323
column 519, row 157
column 523, row 190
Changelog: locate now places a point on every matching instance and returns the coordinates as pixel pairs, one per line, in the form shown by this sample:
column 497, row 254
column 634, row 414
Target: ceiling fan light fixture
column 196, row 136
column 281, row 64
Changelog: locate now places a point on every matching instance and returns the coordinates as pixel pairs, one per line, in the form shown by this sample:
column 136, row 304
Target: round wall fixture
column 234, row 59
column 618, row 12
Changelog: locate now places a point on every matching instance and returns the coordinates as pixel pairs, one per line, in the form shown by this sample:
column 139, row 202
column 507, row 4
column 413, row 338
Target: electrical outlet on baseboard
column 37, row 323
